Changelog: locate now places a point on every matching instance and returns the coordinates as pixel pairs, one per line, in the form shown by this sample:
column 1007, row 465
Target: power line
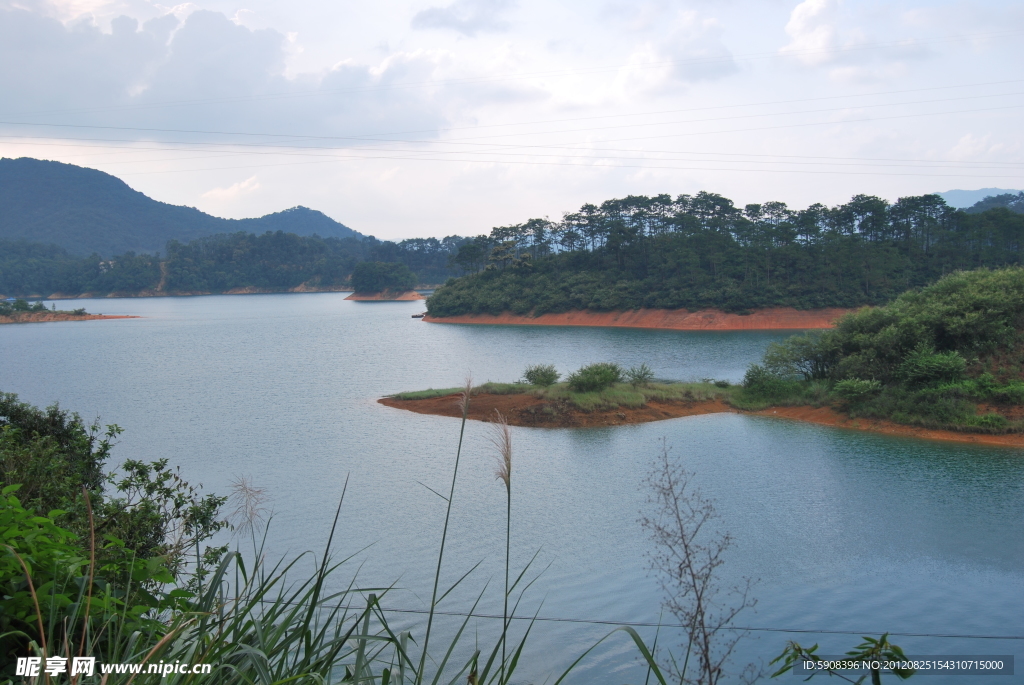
column 644, row 624
column 376, row 137
column 596, row 164
column 307, row 151
column 290, row 150
column 558, row 72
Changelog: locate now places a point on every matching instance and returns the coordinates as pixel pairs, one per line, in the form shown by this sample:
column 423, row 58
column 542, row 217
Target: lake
column 847, row 533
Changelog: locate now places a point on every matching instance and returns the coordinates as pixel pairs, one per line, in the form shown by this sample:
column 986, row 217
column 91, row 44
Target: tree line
column 272, row 260
column 698, row 251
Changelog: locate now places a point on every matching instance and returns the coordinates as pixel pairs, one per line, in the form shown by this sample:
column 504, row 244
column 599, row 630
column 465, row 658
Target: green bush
column 639, row 375
column 857, row 389
column 595, row 377
column 541, row 374
column 20, row 305
column 60, row 566
column 923, row 366
column 987, row 422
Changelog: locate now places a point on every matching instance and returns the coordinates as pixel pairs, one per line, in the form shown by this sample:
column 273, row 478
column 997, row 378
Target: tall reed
column 255, row 623
column 501, row 437
column 463, row 403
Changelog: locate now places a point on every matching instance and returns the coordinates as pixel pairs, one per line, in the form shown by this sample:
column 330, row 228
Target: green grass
column 618, row 395
column 426, row 394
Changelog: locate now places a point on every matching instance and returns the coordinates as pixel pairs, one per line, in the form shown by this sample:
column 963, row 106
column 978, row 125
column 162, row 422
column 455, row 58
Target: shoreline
column 768, row 319
column 46, row 317
column 534, row 412
column 248, row 290
column 385, row 296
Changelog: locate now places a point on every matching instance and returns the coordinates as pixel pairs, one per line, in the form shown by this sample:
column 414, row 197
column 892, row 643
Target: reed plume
column 249, row 503
column 501, row 438
column 463, row 401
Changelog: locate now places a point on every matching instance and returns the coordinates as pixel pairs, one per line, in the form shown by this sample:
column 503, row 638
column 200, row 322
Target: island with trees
column 383, row 282
column 944, row 361
column 702, row 253
column 21, row 311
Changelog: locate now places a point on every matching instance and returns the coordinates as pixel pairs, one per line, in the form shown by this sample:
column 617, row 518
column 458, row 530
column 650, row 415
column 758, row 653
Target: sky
column 425, row 118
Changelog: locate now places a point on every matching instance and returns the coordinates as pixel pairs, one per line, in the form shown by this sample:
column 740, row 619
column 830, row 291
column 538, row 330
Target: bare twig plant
column 688, row 554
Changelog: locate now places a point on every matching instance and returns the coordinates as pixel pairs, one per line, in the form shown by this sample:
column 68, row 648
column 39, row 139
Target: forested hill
column 269, row 262
column 86, row 211
column 702, row 251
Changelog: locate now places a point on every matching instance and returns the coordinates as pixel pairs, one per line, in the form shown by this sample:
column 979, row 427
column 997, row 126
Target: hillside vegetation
column 702, row 251
column 271, row 261
column 946, row 356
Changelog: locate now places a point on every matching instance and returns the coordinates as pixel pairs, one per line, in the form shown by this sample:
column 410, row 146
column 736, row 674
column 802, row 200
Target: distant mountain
column 962, row 199
column 86, row 211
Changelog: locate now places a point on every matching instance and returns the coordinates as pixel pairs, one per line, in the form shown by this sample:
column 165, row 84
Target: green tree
column 375, row 277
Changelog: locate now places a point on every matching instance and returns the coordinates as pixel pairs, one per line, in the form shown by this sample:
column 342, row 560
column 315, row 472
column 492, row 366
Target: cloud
column 692, row 51
column 201, row 70
column 467, row 17
column 826, row 33
column 971, row 147
column 249, row 185
column 813, row 32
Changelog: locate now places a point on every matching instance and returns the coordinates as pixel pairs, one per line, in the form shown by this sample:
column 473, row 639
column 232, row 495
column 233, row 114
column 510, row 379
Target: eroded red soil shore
column 527, row 410
column 41, row 317
column 775, row 318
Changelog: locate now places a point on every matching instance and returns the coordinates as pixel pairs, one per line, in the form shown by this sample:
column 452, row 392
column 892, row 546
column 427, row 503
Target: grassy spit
column 617, row 395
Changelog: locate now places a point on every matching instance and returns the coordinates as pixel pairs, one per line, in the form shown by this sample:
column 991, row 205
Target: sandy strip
column 775, row 318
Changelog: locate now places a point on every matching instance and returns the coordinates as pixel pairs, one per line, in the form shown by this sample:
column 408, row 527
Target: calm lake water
column 844, row 531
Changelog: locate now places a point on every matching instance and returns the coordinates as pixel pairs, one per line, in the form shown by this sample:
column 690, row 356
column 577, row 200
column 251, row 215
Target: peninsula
column 943, row 362
column 20, row 311
column 530, row 411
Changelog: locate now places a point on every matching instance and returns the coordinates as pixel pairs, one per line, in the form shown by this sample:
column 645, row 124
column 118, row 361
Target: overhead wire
column 491, row 149
column 308, row 151
column 648, row 624
column 558, row 72
column 377, row 136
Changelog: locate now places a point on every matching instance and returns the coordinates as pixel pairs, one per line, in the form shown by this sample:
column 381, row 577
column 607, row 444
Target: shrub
column 541, row 374
column 994, row 423
column 595, row 377
column 856, row 389
column 927, row 366
column 639, row 375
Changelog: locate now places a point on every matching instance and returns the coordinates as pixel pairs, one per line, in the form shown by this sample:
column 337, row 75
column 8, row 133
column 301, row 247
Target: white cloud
column 828, row 33
column 249, row 185
column 201, row 72
column 813, row 31
column 982, row 148
column 692, row 51
column 467, row 17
